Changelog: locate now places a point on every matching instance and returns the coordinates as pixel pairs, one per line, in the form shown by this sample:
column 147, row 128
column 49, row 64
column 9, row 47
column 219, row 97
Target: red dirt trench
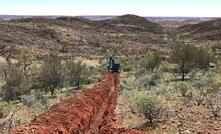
column 88, row 112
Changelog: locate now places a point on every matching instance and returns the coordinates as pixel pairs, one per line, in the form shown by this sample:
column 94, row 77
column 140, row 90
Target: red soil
column 89, row 112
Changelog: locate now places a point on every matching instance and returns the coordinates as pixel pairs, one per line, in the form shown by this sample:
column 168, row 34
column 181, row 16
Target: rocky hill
column 207, row 30
column 120, row 34
column 130, row 23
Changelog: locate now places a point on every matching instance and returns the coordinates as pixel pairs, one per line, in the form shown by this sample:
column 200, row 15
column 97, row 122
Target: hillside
column 96, row 37
column 131, row 23
column 207, row 30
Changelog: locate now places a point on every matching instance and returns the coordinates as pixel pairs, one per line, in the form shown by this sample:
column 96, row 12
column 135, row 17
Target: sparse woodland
column 171, row 95
column 170, row 80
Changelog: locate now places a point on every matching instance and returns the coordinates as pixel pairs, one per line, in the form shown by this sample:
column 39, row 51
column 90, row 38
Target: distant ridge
column 130, row 23
column 104, row 17
column 43, row 33
column 207, row 30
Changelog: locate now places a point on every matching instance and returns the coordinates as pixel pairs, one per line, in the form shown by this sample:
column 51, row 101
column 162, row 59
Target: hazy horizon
column 107, row 16
column 152, row 8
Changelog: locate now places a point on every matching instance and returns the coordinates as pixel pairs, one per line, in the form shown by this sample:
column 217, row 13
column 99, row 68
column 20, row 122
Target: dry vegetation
column 171, row 77
column 81, row 35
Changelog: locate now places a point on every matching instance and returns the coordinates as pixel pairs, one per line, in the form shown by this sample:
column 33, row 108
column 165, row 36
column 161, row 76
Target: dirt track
column 89, row 112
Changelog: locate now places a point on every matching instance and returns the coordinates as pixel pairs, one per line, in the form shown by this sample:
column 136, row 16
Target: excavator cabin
column 112, row 65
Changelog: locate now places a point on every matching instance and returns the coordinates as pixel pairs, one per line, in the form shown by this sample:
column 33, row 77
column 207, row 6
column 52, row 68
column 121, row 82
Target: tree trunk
column 52, row 92
column 183, row 76
column 151, row 121
column 182, row 71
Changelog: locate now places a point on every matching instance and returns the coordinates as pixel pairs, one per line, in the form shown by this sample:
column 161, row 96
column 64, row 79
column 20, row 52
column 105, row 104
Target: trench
column 88, row 112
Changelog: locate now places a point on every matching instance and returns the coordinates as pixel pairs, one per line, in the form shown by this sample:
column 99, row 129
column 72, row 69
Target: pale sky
column 190, row 8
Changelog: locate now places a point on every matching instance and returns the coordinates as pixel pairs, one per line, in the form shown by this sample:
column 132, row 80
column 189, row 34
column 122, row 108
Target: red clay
column 89, row 112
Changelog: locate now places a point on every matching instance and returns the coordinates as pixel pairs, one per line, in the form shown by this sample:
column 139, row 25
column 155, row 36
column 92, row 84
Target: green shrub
column 50, row 76
column 150, row 107
column 36, row 101
column 208, row 89
column 129, row 66
column 203, row 58
column 5, row 108
column 101, row 69
column 27, row 62
column 151, row 60
column 76, row 73
column 168, row 67
column 213, row 104
column 64, row 41
column 19, row 75
column 183, row 87
column 16, row 83
column 206, row 85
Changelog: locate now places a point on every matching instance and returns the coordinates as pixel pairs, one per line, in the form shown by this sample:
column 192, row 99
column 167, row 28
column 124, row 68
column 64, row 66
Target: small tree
column 203, row 58
column 188, row 56
column 18, row 75
column 151, row 108
column 51, row 73
column 76, row 73
column 183, row 55
column 151, row 60
column 27, row 61
column 16, row 83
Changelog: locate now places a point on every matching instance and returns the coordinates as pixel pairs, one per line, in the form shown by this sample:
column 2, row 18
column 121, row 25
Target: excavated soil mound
column 89, row 112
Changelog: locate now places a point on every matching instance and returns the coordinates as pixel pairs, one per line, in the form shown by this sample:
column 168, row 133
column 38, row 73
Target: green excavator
column 112, row 65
